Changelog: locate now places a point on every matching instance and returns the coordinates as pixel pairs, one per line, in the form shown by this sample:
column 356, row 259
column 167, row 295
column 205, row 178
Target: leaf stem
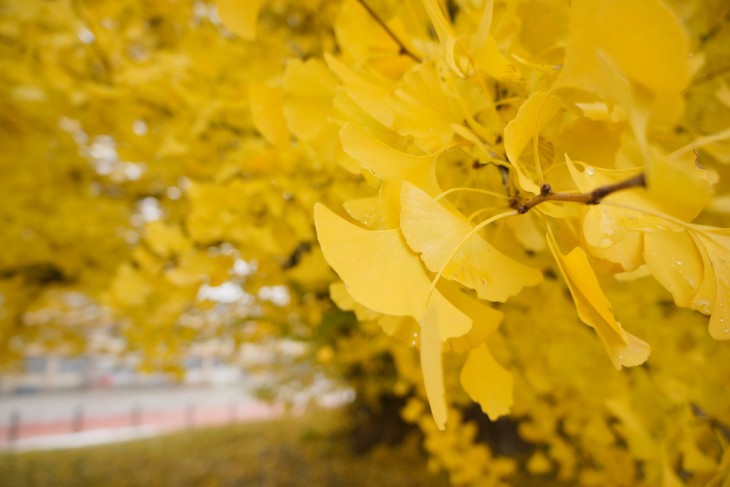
column 590, row 198
column 458, row 246
column 470, row 190
column 381, row 23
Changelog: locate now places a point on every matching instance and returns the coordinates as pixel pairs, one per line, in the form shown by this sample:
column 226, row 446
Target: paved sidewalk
column 74, row 419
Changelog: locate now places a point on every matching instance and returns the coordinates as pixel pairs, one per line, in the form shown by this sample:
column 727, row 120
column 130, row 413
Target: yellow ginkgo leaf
column 621, row 213
column 382, row 274
column 403, row 328
column 359, row 35
column 431, row 365
column 343, row 300
column 365, row 210
column 387, row 163
column 267, row 113
column 130, row 287
column 487, row 382
column 389, row 201
column 196, row 267
column 654, row 57
column 613, row 55
column 166, row 240
column 367, row 92
column 633, row 429
column 311, row 272
column 309, row 88
column 239, row 16
column 591, row 140
column 674, row 260
column 489, row 59
column 713, row 293
column 533, row 114
column 424, row 108
column 435, row 232
column 627, row 252
column 594, row 308
column 454, row 52
column 485, row 319
column 664, row 176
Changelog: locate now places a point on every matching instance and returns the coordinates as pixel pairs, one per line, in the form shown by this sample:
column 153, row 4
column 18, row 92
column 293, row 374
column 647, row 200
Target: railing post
column 78, row 420
column 14, row 427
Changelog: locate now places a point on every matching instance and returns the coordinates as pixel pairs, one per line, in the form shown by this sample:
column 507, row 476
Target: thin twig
column 710, row 76
column 102, row 57
column 402, row 47
column 590, row 198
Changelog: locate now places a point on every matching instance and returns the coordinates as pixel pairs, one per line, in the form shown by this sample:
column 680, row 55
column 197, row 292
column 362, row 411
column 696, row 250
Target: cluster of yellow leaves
column 460, row 134
column 619, row 84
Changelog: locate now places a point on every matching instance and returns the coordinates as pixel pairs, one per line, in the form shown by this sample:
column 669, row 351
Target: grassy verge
column 300, row 451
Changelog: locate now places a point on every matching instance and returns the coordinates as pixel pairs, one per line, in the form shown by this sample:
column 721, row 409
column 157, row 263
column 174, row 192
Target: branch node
column 590, row 198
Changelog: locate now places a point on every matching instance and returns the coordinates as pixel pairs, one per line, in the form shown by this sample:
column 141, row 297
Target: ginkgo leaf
column 387, row 163
column 713, row 293
column 485, row 318
column 632, row 428
column 435, row 232
column 311, row 272
column 359, row 36
column 656, row 57
column 613, row 55
column 627, row 251
column 595, row 310
column 487, row 382
column 425, row 109
column 308, row 91
column 665, row 176
column 382, row 274
column 343, row 300
column 586, row 139
column 403, row 328
column 454, row 52
column 485, row 24
column 527, row 232
column 368, row 93
column 267, row 112
column 130, row 286
column 674, row 260
column 605, row 225
column 532, row 116
column 165, row 239
column 239, row 16
column 431, row 364
column 375, row 265
column 365, row 210
column 488, row 58
column 485, row 53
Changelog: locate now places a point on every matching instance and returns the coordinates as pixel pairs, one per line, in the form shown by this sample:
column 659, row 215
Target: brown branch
column 590, row 198
column 402, row 47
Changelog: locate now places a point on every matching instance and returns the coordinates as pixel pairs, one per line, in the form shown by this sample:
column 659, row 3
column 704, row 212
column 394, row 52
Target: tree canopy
column 513, row 206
